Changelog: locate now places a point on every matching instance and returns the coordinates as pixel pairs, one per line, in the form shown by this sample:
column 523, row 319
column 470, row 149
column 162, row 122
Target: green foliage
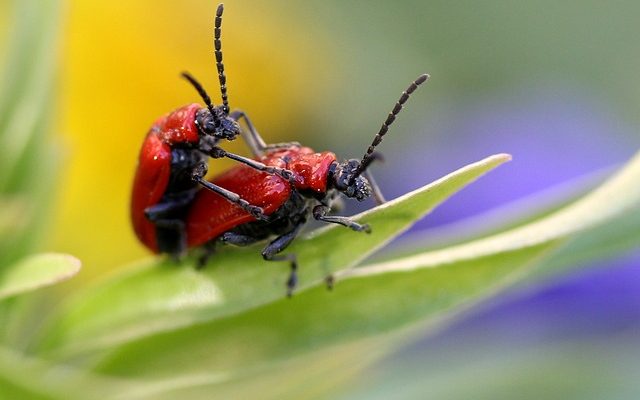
column 335, row 335
column 161, row 330
column 27, row 164
column 36, row 271
column 375, row 308
column 154, row 297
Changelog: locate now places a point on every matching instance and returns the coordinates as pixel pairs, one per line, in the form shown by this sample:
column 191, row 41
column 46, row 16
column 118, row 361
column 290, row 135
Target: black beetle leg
column 198, row 176
column 283, row 173
column 171, row 236
column 237, row 239
column 209, row 250
column 319, row 213
column 253, row 139
column 270, row 253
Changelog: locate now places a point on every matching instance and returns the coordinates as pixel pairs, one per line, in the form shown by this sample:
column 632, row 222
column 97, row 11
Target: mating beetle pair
column 173, row 162
column 271, row 195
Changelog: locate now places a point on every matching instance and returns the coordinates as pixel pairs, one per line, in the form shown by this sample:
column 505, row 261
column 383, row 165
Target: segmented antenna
column 369, row 155
column 201, row 91
column 217, row 44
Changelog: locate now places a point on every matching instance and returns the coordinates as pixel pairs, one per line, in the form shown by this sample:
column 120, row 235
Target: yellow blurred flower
column 120, row 72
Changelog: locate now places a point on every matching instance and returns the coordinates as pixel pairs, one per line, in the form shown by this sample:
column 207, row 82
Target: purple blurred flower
column 575, row 338
column 601, row 299
column 553, row 137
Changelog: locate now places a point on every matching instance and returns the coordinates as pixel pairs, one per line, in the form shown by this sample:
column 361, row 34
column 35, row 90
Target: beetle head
column 216, row 123
column 343, row 179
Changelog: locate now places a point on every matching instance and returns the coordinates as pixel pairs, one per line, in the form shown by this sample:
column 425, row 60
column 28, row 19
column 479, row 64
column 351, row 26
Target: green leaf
column 26, row 110
column 315, row 320
column 25, row 98
column 618, row 197
column 157, row 296
column 35, row 272
column 13, row 216
column 505, row 217
column 378, row 308
column 23, row 377
column 20, row 379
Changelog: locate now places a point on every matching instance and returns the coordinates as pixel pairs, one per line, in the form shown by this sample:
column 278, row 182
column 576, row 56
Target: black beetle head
column 357, row 187
column 217, row 123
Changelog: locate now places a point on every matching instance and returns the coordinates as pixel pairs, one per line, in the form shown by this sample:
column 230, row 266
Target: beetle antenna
column 369, row 157
column 201, row 91
column 217, row 44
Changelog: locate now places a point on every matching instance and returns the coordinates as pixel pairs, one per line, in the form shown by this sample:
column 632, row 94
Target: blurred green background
column 554, row 84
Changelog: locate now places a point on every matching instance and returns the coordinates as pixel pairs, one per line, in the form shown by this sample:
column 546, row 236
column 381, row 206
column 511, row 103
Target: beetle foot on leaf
column 330, row 281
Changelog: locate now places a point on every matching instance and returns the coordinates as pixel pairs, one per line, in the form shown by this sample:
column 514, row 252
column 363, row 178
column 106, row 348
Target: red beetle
column 173, row 162
column 317, row 179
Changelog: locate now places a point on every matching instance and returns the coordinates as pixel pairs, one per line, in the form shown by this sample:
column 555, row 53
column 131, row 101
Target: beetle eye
column 210, row 126
column 350, row 191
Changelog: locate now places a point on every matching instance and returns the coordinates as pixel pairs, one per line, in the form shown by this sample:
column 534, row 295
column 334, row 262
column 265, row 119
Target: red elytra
column 154, row 166
column 210, row 215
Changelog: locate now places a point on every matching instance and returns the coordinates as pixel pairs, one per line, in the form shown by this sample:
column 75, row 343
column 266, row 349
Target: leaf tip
column 503, row 157
column 37, row 271
column 73, row 264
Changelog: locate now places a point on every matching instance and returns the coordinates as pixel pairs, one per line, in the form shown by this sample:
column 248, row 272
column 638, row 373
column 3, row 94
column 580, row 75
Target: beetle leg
column 159, row 211
column 254, row 141
column 270, row 253
column 233, row 238
column 320, row 214
column 209, row 249
column 217, row 152
column 330, row 281
column 252, row 138
column 257, row 212
column 237, row 239
column 170, row 229
column 171, row 237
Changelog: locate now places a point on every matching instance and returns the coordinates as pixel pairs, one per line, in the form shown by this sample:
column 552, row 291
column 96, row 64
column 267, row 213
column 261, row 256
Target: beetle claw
column 258, row 213
column 288, row 175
